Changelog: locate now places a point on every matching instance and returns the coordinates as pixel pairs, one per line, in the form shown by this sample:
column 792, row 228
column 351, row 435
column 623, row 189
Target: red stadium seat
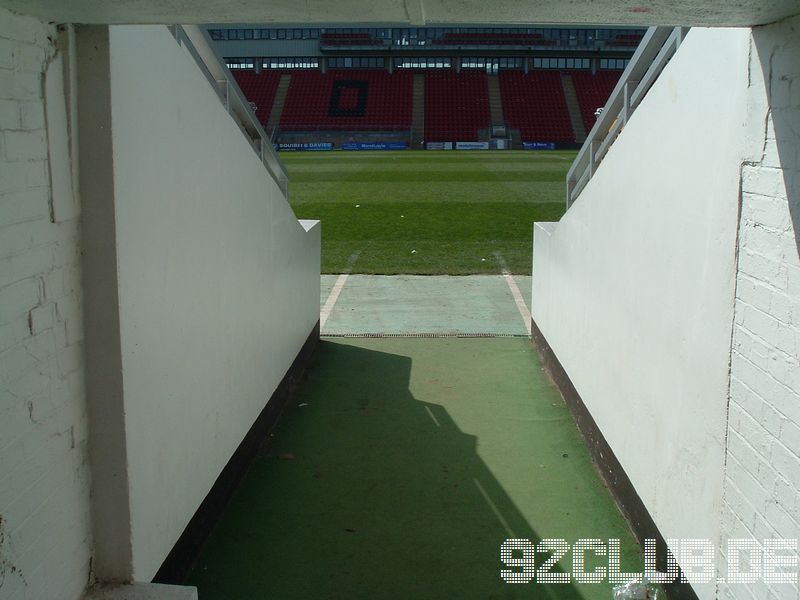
column 349, row 39
column 492, row 39
column 388, row 101
column 259, row 88
column 593, row 92
column 534, row 103
column 456, row 105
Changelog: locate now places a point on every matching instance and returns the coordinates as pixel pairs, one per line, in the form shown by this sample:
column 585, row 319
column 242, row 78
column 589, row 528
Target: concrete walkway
column 413, row 305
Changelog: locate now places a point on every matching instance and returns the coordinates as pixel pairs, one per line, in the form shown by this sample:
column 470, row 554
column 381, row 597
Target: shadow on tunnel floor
column 399, row 471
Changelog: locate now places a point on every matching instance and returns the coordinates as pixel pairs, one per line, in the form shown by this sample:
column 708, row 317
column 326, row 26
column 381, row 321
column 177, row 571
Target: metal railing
column 199, row 45
column 658, row 45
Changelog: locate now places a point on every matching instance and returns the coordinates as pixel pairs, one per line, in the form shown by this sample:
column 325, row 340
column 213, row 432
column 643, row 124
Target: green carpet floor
column 398, row 473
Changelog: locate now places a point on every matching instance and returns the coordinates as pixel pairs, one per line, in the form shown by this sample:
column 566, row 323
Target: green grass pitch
column 427, row 212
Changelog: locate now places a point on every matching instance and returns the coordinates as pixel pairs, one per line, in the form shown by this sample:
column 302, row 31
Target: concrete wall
column 214, row 285
column 762, row 476
column 634, row 287
column 217, row 283
column 45, row 530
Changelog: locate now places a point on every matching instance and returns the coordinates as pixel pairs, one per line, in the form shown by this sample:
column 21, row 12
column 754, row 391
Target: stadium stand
column 411, row 85
column 259, row 88
column 348, row 100
column 534, row 103
column 626, row 39
column 348, row 39
column 493, row 39
column 593, row 91
column 456, row 105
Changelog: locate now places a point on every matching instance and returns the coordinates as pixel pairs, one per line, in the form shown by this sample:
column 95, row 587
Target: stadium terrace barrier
column 658, row 45
column 199, row 46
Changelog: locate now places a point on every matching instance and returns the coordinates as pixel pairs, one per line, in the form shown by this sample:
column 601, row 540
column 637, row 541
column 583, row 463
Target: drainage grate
column 425, row 335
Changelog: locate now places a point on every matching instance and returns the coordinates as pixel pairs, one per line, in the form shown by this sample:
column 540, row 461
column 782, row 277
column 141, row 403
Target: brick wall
column 45, row 539
column 762, row 475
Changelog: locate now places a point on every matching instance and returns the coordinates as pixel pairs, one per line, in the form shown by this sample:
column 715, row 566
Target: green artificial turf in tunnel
column 427, row 212
column 398, row 473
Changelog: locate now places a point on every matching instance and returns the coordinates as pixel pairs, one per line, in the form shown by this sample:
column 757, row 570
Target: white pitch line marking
column 524, row 312
column 432, row 416
column 333, row 296
column 496, row 512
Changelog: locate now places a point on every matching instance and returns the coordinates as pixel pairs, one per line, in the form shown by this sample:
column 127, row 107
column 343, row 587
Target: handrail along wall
column 658, row 45
column 198, row 44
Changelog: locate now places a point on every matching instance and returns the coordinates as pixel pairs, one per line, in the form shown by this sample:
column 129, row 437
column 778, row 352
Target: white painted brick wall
column 762, row 477
column 45, row 533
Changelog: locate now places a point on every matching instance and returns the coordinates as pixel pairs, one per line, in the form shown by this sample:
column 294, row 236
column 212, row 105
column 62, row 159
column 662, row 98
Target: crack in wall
column 51, row 53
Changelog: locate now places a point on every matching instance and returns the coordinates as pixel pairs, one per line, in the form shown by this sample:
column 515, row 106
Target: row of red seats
column 456, row 105
column 534, row 103
column 476, row 42
column 259, row 89
column 493, row 36
column 354, row 35
column 353, row 42
column 349, row 39
column 626, row 39
column 593, row 92
column 493, row 39
column 308, row 101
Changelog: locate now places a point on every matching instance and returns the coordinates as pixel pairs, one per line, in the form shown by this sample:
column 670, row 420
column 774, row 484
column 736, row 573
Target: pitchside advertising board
column 457, row 145
column 538, row 145
column 374, row 146
column 472, row 145
column 313, row 146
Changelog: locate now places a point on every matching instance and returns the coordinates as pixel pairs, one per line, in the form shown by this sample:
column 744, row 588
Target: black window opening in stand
column 360, row 108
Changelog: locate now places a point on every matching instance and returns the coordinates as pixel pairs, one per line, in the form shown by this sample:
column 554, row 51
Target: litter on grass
column 636, row 590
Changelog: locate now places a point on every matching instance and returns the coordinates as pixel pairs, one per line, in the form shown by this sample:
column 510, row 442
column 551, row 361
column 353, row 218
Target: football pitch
column 427, row 212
